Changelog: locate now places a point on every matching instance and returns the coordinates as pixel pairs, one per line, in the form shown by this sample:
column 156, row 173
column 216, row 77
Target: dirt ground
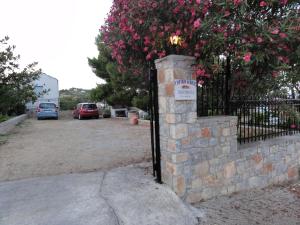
column 277, row 205
column 51, row 147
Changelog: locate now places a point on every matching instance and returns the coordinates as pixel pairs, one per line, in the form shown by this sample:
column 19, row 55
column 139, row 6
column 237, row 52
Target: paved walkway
column 271, row 206
column 123, row 196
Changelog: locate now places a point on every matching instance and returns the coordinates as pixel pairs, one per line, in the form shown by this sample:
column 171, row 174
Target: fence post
column 227, row 89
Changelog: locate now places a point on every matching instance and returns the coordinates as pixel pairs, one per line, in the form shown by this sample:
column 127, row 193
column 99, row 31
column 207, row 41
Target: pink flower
column 149, row 57
column 247, row 57
column 197, row 54
column 236, row 2
column 193, row 12
column 200, row 82
column 146, row 49
column 283, row 2
column 197, row 23
column 227, row 13
column 262, row 4
column 237, row 27
column 161, row 54
column 259, row 40
column 282, row 35
column 275, row 31
column 154, row 5
column 178, row 33
column 275, row 74
column 181, row 2
column 200, row 72
column 136, row 37
column 147, row 40
column 198, row 2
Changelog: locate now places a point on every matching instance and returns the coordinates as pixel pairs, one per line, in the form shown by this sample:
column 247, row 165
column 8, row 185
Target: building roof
column 49, row 76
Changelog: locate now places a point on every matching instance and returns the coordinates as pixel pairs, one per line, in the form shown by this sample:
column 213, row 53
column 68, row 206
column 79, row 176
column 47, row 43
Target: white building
column 46, row 87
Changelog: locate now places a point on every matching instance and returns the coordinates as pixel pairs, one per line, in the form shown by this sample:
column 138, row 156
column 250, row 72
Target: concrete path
column 123, row 196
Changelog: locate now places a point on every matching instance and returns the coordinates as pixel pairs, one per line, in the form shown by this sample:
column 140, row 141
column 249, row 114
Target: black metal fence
column 259, row 118
column 212, row 96
column 264, row 118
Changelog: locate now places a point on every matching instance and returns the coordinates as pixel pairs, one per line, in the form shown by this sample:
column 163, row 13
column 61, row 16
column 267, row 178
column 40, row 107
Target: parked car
column 47, row 110
column 86, row 110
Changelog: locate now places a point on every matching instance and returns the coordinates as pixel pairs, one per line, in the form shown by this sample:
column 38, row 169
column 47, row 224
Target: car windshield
column 89, row 106
column 47, row 106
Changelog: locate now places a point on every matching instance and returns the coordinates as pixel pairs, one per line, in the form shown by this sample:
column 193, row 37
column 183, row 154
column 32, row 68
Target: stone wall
column 7, row 126
column 200, row 156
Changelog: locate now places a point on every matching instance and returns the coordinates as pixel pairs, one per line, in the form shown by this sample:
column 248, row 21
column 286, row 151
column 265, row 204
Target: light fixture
column 175, row 40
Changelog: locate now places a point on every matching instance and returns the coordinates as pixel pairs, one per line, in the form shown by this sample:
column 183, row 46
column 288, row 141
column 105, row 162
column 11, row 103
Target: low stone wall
column 7, row 126
column 207, row 162
column 220, row 167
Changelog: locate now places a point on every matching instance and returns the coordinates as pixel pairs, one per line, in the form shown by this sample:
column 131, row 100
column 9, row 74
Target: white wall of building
column 45, row 83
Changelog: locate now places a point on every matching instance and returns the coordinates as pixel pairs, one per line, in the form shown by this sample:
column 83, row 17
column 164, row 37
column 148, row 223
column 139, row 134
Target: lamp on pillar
column 175, row 41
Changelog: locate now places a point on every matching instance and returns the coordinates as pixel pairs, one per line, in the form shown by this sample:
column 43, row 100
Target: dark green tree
column 69, row 98
column 16, row 84
column 120, row 89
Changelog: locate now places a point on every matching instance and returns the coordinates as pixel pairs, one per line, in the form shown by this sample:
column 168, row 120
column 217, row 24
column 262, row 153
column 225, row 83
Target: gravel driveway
column 50, row 147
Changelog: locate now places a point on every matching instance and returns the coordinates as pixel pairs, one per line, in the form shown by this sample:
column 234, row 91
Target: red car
column 86, row 110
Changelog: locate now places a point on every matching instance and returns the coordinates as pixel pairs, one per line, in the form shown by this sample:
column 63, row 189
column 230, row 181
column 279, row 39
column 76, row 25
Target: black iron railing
column 212, row 94
column 265, row 118
column 259, row 118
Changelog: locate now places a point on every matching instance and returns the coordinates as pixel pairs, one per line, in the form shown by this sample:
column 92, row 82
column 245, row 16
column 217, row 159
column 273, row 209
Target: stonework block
column 206, row 132
column 267, row 168
column 186, row 141
column 274, row 149
column 169, row 87
column 162, row 104
column 179, row 185
column 257, row 158
column 201, row 169
column 226, row 132
column 167, row 178
column 161, row 76
column 191, row 117
column 256, row 182
column 292, row 172
column 197, row 183
column 229, row 170
column 178, row 131
column 174, row 169
column 180, row 157
column 173, row 145
column 171, row 118
column 193, row 197
column 179, row 74
column 161, row 90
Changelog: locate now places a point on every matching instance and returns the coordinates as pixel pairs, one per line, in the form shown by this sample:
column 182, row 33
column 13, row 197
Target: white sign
column 185, row 89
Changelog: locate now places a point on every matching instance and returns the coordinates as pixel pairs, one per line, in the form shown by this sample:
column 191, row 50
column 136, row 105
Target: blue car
column 47, row 110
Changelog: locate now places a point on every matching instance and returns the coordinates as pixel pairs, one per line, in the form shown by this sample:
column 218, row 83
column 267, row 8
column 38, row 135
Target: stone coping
column 269, row 142
column 175, row 61
column 8, row 125
column 216, row 118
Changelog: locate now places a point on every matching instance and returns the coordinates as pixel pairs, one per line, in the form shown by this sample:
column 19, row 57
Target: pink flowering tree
column 256, row 40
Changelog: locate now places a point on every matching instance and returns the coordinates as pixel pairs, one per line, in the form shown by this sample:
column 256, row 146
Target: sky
column 58, row 34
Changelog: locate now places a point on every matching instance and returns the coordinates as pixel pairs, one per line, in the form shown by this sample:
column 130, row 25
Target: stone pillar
column 175, row 117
